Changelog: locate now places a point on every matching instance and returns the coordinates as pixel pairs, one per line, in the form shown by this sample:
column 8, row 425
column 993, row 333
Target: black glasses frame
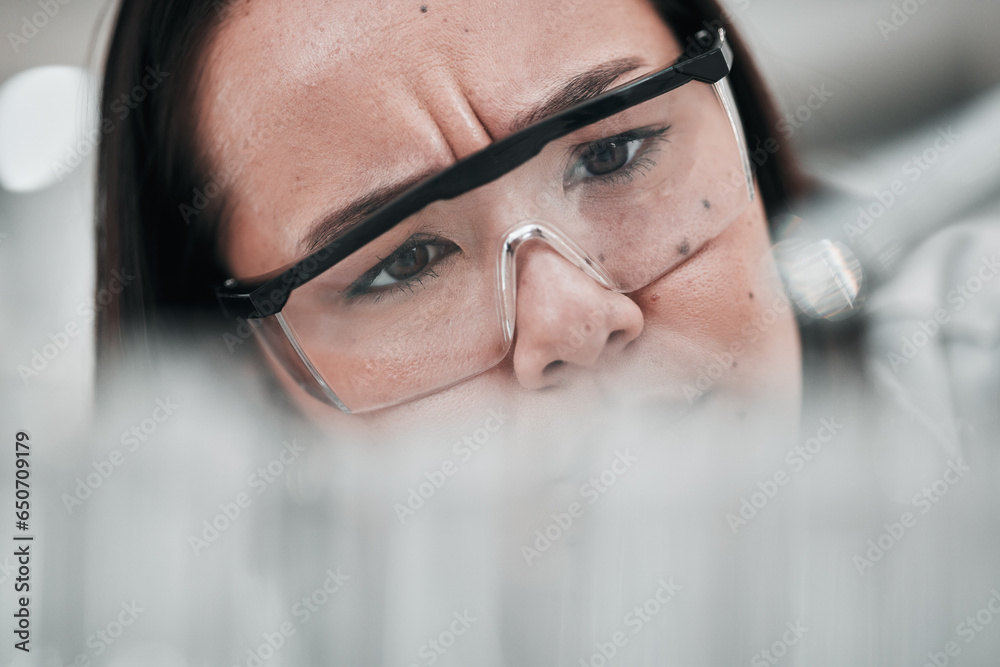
column 267, row 295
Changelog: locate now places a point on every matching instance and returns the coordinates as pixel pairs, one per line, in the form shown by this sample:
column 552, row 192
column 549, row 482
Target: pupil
column 409, row 263
column 605, row 157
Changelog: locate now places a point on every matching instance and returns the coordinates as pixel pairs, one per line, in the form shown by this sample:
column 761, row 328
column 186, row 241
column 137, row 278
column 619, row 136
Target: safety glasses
column 421, row 294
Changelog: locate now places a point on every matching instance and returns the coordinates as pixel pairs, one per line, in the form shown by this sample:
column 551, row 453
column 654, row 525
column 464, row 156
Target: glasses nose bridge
column 528, row 231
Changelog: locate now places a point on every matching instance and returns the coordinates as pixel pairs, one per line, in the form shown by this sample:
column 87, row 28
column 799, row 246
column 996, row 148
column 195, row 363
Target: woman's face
column 305, row 106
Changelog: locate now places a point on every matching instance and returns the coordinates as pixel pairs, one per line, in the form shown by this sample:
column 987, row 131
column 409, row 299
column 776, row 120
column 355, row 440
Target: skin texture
column 307, row 105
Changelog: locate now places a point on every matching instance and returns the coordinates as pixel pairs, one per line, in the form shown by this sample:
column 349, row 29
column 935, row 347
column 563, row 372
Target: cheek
column 725, row 299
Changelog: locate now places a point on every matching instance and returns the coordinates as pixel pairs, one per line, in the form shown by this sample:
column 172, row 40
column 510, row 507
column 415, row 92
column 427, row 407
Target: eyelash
column 404, row 286
column 361, row 288
column 638, row 165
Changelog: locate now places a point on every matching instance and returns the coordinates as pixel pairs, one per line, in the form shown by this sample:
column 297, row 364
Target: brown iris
column 409, row 263
column 604, row 157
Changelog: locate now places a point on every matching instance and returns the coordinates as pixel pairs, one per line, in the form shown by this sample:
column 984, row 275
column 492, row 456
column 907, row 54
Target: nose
column 566, row 319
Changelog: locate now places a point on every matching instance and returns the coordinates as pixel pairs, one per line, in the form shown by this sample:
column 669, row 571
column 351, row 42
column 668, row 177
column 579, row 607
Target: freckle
column 751, row 295
column 600, row 257
column 704, row 202
column 684, row 248
column 423, row 8
column 734, row 365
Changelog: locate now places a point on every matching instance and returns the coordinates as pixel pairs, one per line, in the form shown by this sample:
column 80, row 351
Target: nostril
column 551, row 367
column 615, row 336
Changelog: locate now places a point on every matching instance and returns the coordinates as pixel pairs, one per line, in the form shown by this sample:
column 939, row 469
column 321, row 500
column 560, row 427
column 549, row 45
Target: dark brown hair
column 150, row 167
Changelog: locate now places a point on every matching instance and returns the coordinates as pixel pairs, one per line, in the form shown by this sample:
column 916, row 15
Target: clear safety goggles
column 421, row 294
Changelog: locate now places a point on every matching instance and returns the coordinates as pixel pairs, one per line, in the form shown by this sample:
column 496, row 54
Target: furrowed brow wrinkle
column 579, row 88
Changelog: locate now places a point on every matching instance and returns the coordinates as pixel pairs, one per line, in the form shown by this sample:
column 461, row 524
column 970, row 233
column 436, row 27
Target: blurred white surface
column 232, row 530
column 887, row 95
column 44, row 116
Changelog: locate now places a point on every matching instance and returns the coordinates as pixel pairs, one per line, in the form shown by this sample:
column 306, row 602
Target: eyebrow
column 331, row 225
column 579, row 88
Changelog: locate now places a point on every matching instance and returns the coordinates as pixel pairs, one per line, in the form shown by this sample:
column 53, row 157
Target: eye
column 608, row 155
column 408, row 262
column 614, row 158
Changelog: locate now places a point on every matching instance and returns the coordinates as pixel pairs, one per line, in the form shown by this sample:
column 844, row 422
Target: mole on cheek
column 684, row 248
column 706, row 204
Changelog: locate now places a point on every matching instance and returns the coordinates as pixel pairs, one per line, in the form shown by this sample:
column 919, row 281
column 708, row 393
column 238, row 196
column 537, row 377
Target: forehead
column 304, row 105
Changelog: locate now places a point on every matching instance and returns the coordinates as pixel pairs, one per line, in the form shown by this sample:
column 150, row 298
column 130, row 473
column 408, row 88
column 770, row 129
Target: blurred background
column 865, row 86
